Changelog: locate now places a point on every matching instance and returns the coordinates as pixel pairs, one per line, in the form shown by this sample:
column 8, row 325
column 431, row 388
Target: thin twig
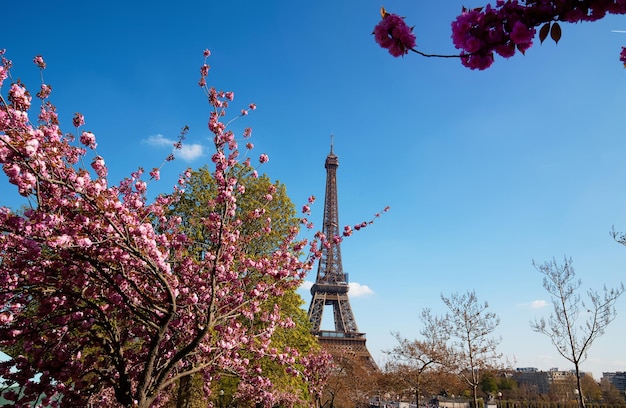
column 435, row 55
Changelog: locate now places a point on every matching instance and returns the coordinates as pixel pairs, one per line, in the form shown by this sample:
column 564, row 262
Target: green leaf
column 543, row 32
column 555, row 32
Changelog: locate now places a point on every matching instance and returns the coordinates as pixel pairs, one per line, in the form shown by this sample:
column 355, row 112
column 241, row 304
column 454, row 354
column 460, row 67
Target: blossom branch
column 503, row 29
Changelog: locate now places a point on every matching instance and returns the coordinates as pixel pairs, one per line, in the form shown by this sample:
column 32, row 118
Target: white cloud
column 306, row 285
column 159, row 140
column 356, row 290
column 187, row 152
column 538, row 304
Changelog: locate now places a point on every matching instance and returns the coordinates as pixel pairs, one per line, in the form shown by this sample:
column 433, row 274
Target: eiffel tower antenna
column 331, row 285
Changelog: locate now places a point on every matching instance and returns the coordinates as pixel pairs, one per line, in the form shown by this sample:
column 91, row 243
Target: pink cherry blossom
column 88, row 139
column 19, row 97
column 3, row 74
column 30, row 147
column 522, row 34
column 79, row 120
column 98, row 165
column 155, row 174
column 511, row 25
column 503, row 29
column 44, row 92
column 38, row 60
column 102, row 279
column 204, row 70
column 6, row 317
column 393, row 34
column 477, row 61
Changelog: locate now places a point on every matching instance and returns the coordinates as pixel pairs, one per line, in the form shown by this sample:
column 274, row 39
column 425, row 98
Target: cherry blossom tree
column 504, row 28
column 104, row 298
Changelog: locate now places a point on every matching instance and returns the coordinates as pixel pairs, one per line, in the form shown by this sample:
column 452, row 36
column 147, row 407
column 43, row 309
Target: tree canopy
column 258, row 200
column 107, row 294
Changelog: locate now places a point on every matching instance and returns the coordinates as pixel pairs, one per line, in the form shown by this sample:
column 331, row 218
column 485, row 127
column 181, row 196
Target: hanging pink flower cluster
column 481, row 32
column 510, row 25
column 393, row 34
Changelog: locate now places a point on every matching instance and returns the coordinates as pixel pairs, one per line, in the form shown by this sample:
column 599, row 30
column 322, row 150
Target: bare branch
column 571, row 333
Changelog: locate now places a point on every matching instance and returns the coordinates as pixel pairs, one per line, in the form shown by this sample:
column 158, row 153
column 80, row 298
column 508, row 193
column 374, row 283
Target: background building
column 618, row 379
column 553, row 381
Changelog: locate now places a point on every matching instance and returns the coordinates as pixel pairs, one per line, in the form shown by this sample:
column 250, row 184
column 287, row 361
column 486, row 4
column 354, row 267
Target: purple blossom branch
column 503, row 29
column 423, row 54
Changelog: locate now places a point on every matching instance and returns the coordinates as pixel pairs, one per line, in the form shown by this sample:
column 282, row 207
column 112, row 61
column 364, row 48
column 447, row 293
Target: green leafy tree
column 506, row 385
column 264, row 207
column 260, row 193
column 489, row 383
column 298, row 337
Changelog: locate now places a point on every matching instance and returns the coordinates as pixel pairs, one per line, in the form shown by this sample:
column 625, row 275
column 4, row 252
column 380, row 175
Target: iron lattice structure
column 331, row 284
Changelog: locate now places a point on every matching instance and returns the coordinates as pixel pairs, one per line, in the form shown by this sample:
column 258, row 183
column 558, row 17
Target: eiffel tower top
column 331, row 159
column 330, row 269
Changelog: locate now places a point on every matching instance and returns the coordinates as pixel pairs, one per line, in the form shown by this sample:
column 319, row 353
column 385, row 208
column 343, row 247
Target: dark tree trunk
column 183, row 399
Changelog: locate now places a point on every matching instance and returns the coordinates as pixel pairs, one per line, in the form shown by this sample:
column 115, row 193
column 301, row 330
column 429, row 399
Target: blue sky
column 484, row 171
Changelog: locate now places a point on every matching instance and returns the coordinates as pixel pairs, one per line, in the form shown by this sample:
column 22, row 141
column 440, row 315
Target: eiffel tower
column 331, row 285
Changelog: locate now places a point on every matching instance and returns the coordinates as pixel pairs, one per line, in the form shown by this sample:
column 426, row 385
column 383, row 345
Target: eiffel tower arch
column 331, row 284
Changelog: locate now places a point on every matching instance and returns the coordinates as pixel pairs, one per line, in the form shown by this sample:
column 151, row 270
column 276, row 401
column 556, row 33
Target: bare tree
column 574, row 324
column 411, row 359
column 470, row 327
column 352, row 382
